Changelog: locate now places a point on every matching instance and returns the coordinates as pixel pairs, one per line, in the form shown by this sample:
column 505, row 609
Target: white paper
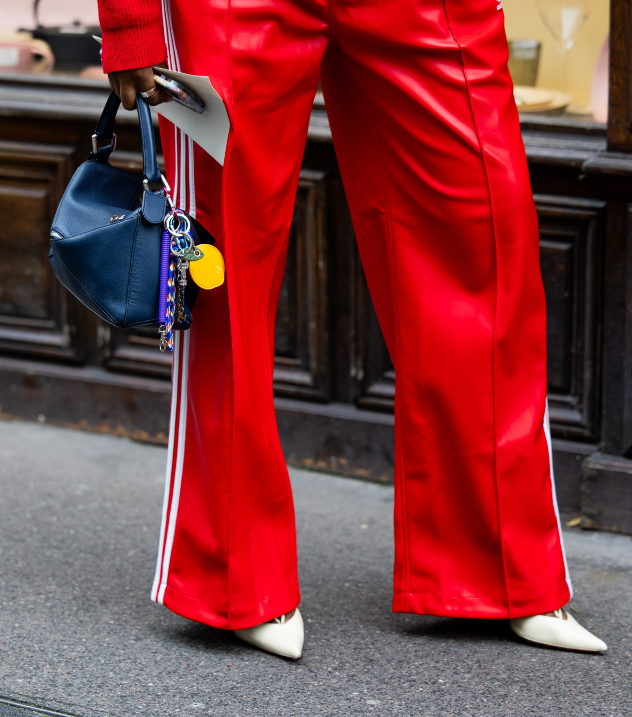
column 210, row 129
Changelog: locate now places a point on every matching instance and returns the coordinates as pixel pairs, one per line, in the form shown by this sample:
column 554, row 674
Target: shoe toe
column 281, row 639
column 567, row 634
column 585, row 637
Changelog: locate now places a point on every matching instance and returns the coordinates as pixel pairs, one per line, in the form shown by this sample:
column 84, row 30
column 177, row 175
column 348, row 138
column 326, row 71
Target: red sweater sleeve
column 132, row 34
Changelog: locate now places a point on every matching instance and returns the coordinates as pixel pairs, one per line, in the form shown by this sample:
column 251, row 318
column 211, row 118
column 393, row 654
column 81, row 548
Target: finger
column 146, row 83
column 128, row 96
column 164, row 96
column 159, row 97
column 115, row 84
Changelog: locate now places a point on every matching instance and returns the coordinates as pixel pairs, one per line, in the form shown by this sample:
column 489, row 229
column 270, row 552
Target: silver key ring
column 182, row 221
column 181, row 251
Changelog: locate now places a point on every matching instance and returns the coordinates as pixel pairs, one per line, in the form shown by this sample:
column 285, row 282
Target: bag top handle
column 105, row 130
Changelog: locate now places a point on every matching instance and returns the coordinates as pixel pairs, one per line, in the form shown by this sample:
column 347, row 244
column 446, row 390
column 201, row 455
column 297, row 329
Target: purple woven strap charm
column 176, row 244
column 171, row 305
column 164, row 277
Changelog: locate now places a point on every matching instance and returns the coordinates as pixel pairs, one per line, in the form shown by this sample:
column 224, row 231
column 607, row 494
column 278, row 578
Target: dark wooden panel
column 24, row 278
column 135, row 351
column 288, row 321
column 301, row 362
column 556, row 262
column 37, row 315
column 568, row 458
column 571, row 246
column 338, row 438
column 373, row 370
column 620, row 90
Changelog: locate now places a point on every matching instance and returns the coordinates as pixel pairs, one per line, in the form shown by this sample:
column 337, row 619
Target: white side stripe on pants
column 184, row 175
column 547, row 432
column 172, row 429
column 177, row 477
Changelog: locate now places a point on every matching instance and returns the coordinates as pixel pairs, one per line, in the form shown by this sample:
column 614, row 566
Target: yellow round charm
column 208, row 272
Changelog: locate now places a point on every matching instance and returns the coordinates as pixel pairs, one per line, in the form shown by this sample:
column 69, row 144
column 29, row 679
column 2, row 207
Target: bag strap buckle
column 165, row 187
column 95, row 144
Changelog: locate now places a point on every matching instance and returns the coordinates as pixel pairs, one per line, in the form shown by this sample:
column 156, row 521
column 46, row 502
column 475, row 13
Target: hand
column 128, row 83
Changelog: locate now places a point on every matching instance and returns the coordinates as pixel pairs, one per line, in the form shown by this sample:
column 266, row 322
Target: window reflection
column 566, row 37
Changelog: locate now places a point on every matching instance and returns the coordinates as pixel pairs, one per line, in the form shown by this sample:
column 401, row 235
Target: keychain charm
column 208, row 271
column 177, row 245
column 179, row 254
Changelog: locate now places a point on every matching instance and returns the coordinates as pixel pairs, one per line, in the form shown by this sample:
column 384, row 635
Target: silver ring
column 183, row 221
column 181, row 251
column 147, row 95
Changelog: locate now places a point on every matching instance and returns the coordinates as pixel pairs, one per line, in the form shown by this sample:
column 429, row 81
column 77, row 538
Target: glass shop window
column 50, row 36
column 558, row 56
column 558, row 49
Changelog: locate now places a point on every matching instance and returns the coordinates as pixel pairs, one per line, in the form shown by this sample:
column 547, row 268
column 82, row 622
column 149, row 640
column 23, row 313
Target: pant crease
column 493, row 225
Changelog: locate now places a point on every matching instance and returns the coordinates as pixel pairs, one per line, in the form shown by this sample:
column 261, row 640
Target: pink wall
column 17, row 13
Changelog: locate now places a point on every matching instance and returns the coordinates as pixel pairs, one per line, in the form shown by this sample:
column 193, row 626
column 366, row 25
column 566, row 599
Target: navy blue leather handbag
column 106, row 235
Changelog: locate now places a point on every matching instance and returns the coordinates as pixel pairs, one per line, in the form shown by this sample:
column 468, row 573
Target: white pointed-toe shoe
column 282, row 637
column 557, row 630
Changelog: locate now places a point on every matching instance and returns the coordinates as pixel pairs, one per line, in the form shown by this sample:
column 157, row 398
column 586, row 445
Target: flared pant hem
column 493, row 608
column 209, row 614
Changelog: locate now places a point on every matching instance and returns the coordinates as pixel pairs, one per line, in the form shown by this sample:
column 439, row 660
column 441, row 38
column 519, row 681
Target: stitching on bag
column 131, row 267
column 104, row 226
column 96, row 301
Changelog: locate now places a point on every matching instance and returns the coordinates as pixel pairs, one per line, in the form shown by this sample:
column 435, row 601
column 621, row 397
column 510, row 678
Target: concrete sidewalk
column 79, row 520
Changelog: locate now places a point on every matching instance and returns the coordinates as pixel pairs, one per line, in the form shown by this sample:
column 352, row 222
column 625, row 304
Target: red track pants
column 428, row 141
